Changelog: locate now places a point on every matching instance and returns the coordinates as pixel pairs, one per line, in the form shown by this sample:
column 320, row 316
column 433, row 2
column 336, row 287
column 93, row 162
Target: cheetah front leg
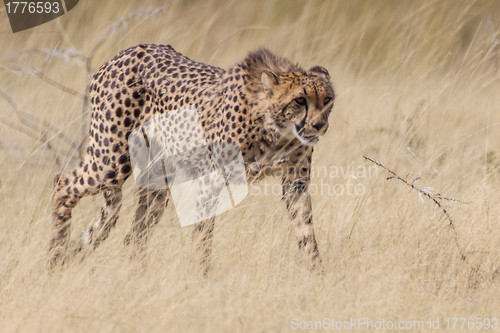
column 202, row 238
column 209, row 189
column 296, row 194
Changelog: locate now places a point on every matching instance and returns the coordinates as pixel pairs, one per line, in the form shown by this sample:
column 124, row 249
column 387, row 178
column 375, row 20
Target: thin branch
column 428, row 194
column 50, row 148
column 440, row 197
column 123, row 23
column 33, row 71
column 52, row 82
column 66, row 54
column 32, row 123
column 413, row 186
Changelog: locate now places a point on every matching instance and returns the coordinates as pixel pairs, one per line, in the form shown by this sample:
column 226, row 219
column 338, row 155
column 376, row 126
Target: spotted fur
column 272, row 109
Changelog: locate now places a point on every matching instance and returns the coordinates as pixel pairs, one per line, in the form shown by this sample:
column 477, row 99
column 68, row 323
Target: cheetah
column 270, row 108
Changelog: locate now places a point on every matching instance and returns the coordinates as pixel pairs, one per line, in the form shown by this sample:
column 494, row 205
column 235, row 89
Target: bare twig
column 50, row 148
column 52, row 82
column 413, row 186
column 123, row 23
column 34, row 127
column 36, row 72
column 66, row 54
column 435, row 198
column 440, row 197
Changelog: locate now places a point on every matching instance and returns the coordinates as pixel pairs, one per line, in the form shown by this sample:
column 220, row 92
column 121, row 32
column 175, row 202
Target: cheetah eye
column 327, row 100
column 301, row 101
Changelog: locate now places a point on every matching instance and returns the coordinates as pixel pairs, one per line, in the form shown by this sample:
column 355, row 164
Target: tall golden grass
column 418, row 86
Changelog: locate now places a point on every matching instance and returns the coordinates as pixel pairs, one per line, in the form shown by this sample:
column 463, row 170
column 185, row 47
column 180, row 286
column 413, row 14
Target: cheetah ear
column 269, row 81
column 321, row 71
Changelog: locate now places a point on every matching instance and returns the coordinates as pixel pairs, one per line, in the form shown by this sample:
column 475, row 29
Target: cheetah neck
column 247, row 75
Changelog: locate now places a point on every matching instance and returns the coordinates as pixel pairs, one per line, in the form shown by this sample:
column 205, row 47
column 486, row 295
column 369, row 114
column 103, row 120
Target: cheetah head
column 299, row 103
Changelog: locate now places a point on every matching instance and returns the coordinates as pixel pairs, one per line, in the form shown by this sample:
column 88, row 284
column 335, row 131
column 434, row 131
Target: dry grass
column 418, row 89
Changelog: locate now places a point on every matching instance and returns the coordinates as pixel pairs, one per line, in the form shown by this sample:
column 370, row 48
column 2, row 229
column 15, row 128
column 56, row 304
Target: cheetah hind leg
column 68, row 190
column 99, row 230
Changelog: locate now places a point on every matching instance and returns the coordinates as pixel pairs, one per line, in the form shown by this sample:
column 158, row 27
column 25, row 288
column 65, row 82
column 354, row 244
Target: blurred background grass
column 418, row 89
